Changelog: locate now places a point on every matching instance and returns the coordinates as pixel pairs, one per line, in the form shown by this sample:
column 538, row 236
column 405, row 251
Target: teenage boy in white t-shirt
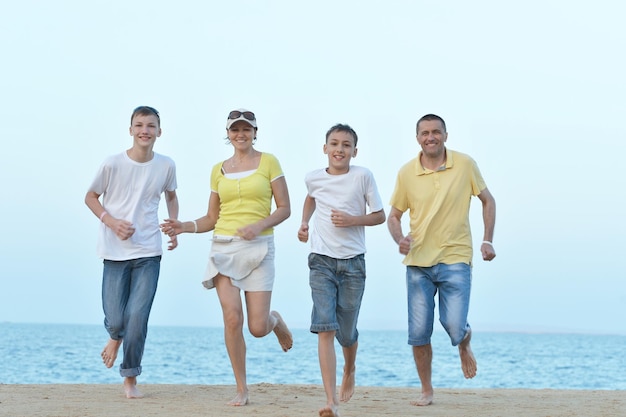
column 129, row 242
column 339, row 195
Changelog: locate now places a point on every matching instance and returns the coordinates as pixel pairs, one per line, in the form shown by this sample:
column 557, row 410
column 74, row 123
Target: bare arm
column 489, row 221
column 341, row 219
column 307, row 211
column 282, row 211
column 206, row 223
column 123, row 229
column 171, row 201
column 394, row 224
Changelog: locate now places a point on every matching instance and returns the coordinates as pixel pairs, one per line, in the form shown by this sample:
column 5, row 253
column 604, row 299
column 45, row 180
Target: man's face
column 432, row 138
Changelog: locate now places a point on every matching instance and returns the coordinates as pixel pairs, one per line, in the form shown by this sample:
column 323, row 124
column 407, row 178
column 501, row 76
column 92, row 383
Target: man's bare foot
column 468, row 362
column 109, row 353
column 130, row 387
column 425, row 399
column 329, row 411
column 347, row 385
column 239, row 400
column 282, row 332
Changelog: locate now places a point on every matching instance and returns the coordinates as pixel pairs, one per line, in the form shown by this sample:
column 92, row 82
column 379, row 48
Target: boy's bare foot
column 347, row 385
column 109, row 353
column 282, row 332
column 329, row 411
column 425, row 399
column 239, row 400
column 468, row 362
column 130, row 387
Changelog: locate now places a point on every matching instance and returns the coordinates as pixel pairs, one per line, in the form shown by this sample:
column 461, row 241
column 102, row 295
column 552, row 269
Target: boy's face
column 145, row 130
column 340, row 150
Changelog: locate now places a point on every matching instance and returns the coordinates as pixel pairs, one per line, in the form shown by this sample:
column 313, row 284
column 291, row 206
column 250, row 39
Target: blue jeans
column 337, row 287
column 128, row 289
column 453, row 282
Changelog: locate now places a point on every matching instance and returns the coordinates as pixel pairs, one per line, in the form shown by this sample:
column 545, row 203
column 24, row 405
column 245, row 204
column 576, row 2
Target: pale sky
column 533, row 91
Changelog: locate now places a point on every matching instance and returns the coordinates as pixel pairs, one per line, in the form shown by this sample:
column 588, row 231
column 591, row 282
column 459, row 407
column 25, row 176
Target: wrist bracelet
column 195, row 226
column 488, row 243
column 104, row 213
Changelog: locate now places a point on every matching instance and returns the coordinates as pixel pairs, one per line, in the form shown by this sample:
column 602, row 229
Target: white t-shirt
column 131, row 191
column 352, row 193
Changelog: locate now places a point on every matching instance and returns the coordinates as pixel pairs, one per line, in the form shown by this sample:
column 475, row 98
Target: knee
column 233, row 320
column 114, row 327
column 258, row 328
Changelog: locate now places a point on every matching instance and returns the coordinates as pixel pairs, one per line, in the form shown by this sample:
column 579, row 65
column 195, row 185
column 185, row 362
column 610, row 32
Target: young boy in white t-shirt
column 129, row 242
column 339, row 195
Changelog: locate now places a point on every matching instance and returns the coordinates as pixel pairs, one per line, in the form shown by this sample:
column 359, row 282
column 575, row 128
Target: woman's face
column 241, row 134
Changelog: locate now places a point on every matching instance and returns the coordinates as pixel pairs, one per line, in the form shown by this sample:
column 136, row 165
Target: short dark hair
column 145, row 111
column 339, row 127
column 430, row 117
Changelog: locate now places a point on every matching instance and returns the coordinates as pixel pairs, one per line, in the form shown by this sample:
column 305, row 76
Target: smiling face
column 432, row 136
column 145, row 129
column 241, row 134
column 340, row 149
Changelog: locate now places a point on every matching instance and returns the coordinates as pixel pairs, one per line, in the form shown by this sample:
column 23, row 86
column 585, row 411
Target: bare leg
column 109, row 353
column 130, row 387
column 282, row 332
column 468, row 362
column 349, row 370
column 232, row 310
column 328, row 366
column 261, row 321
column 423, row 356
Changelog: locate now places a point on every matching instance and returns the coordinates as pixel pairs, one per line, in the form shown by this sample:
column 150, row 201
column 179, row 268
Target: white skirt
column 248, row 263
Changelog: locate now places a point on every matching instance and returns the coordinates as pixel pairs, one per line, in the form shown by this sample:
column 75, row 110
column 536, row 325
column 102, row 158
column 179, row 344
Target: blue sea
column 70, row 354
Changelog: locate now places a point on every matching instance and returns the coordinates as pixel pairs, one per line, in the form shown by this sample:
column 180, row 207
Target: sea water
column 60, row 354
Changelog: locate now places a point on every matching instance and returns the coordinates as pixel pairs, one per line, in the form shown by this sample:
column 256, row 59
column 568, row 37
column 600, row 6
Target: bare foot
column 282, row 332
column 468, row 362
column 347, row 385
column 239, row 400
column 130, row 387
column 425, row 399
column 329, row 411
column 109, row 353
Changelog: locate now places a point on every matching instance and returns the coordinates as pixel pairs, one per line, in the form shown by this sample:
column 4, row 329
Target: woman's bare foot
column 347, row 385
column 109, row 353
column 130, row 387
column 329, row 411
column 282, row 332
column 468, row 362
column 425, row 399
column 239, row 400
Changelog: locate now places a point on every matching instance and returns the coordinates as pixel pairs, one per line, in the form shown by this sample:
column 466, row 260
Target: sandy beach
column 105, row 400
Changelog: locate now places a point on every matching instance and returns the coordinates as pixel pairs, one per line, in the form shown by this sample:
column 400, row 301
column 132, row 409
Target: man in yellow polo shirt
column 436, row 187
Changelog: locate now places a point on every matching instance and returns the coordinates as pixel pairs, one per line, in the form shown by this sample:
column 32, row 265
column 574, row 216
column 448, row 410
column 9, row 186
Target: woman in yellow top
column 242, row 252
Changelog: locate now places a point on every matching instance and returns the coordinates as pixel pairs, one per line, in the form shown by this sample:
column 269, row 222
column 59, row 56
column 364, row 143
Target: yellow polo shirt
column 245, row 200
column 438, row 204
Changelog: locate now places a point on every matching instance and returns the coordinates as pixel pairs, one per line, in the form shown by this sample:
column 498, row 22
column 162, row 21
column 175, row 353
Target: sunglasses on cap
column 236, row 114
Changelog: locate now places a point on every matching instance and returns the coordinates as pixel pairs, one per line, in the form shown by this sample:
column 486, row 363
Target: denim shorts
column 453, row 282
column 337, row 287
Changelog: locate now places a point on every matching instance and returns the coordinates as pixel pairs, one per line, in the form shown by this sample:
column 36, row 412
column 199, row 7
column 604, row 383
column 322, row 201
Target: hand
column 303, row 232
column 123, row 229
column 340, row 219
column 487, row 251
column 249, row 232
column 172, row 227
column 173, row 243
column 405, row 244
